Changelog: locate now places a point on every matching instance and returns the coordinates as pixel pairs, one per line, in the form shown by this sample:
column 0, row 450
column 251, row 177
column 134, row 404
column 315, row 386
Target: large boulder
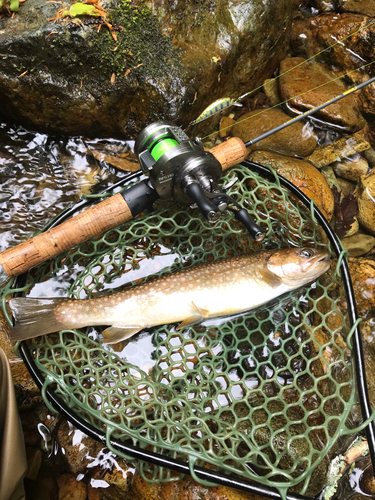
column 170, row 60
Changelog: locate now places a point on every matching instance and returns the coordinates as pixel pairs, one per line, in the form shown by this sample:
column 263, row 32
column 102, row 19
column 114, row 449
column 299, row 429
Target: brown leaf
column 113, row 78
column 345, row 212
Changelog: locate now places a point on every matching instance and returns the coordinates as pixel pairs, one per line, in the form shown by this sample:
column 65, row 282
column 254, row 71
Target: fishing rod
column 177, row 169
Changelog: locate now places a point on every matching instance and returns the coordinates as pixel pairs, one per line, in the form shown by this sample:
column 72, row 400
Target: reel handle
column 98, row 219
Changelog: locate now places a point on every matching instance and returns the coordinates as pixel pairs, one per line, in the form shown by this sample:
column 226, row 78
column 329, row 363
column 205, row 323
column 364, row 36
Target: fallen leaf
column 135, row 67
column 23, row 74
column 113, row 78
column 127, row 72
column 345, row 212
column 115, row 161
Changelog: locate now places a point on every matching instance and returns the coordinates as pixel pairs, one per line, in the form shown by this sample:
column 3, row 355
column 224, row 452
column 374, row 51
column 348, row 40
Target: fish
column 220, row 288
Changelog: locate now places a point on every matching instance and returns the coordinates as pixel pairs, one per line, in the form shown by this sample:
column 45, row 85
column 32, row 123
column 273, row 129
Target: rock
column 358, row 6
column 70, row 488
column 296, row 140
column 365, row 193
column 346, row 146
column 359, row 244
column 326, row 30
column 345, row 187
column 324, row 5
column 329, row 175
column 369, row 154
column 79, row 450
column 225, row 126
column 362, row 272
column 271, row 89
column 302, row 175
column 58, row 77
column 114, row 484
column 298, row 77
column 354, row 228
column 351, row 168
column 185, row 489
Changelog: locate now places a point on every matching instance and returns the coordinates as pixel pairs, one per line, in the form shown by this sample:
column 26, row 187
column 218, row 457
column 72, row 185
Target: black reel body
column 180, row 169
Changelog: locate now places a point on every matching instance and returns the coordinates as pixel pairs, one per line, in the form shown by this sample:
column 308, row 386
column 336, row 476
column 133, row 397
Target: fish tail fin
column 34, row 317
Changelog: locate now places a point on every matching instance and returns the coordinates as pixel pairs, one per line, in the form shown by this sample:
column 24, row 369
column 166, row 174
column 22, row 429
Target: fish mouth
column 325, row 258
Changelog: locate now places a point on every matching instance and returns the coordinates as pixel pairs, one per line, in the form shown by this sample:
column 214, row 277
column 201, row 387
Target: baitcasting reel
column 180, row 169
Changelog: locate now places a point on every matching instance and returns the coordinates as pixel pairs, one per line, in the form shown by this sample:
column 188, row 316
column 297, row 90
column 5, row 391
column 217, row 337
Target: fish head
column 298, row 266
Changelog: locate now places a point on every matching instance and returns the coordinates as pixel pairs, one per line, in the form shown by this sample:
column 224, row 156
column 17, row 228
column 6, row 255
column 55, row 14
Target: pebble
column 362, row 272
column 345, row 187
column 351, row 168
column 302, row 175
column 271, row 89
column 358, row 245
column 365, row 193
column 70, row 488
column 296, row 140
column 298, row 78
column 359, row 6
column 342, row 148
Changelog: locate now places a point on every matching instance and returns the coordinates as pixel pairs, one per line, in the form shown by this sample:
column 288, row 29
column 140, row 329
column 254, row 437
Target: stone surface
column 351, row 168
column 296, row 140
column 356, row 47
column 345, row 187
column 362, row 272
column 70, row 488
column 346, row 146
column 365, row 7
column 358, row 244
column 167, row 54
column 271, row 89
column 302, row 175
column 365, row 193
column 299, row 77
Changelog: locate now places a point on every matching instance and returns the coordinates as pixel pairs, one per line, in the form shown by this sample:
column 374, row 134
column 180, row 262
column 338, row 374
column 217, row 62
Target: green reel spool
column 162, row 147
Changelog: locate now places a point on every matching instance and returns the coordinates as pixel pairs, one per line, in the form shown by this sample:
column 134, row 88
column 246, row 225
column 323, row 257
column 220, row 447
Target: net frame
column 201, row 473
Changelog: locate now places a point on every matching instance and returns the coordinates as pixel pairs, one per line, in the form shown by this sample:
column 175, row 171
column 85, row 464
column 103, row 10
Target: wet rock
column 369, row 154
column 296, row 140
column 299, row 77
column 271, row 89
column 329, row 175
column 114, row 484
column 141, row 490
column 358, row 6
column 58, row 77
column 346, row 146
column 70, row 488
column 362, row 272
column 354, row 228
column 302, row 175
column 359, row 244
column 79, row 450
column 324, row 5
column 326, row 30
column 365, row 193
column 345, row 187
column 351, row 168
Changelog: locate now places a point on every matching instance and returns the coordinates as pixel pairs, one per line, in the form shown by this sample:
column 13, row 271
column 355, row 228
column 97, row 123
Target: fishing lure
column 216, row 107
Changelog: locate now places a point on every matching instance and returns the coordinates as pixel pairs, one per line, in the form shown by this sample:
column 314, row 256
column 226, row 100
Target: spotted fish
column 224, row 287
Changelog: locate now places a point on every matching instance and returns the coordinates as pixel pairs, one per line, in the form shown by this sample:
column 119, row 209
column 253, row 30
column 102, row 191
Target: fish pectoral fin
column 203, row 312
column 270, row 278
column 189, row 321
column 114, row 334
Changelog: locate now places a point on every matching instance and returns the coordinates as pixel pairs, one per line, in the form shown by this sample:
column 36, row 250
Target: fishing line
column 353, row 89
column 307, row 60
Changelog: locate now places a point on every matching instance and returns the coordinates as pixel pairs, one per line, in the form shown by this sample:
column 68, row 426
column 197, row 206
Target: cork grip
column 230, row 153
column 88, row 224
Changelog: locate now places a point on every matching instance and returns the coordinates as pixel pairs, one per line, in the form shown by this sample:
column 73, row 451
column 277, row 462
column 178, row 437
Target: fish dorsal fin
column 270, row 278
column 114, row 334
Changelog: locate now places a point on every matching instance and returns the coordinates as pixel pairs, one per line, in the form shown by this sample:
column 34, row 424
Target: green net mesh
column 264, row 395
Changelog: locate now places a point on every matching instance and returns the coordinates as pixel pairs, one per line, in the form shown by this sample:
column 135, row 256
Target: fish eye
column 305, row 253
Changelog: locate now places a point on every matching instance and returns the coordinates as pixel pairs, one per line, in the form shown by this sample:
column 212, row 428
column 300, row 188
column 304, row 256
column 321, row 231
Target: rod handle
column 230, row 153
column 88, row 224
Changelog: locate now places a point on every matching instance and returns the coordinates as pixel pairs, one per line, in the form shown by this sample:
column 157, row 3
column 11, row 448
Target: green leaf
column 81, row 9
column 12, row 5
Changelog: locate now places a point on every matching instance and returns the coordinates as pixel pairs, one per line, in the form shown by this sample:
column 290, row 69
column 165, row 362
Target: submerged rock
column 362, row 272
column 297, row 79
column 296, row 140
column 366, row 202
column 358, row 6
column 63, row 77
column 302, row 175
column 342, row 148
column 351, row 168
column 359, row 244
